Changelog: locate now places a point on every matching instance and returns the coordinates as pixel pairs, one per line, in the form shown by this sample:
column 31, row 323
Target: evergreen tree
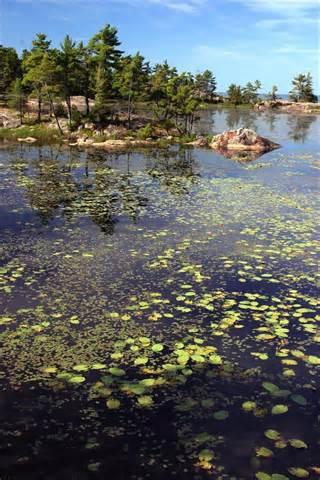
column 205, row 84
column 17, row 98
column 273, row 94
column 184, row 102
column 158, row 90
column 70, row 69
column 234, row 94
column 131, row 80
column 32, row 65
column 104, row 59
column 49, row 80
column 250, row 92
column 302, row 90
column 85, row 79
column 9, row 68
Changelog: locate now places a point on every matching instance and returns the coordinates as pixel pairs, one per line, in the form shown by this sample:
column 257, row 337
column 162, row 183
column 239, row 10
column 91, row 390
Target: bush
column 60, row 110
column 76, row 118
column 145, row 132
column 100, row 114
column 166, row 124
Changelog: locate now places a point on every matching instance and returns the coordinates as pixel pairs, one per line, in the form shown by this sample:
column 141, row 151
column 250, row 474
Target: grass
column 41, row 132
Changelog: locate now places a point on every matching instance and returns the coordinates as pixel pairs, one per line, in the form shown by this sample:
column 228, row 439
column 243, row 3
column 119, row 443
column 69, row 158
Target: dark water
column 160, row 310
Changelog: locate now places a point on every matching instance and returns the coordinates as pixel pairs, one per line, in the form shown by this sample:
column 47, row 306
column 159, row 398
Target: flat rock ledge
column 244, row 140
column 27, row 140
column 112, row 144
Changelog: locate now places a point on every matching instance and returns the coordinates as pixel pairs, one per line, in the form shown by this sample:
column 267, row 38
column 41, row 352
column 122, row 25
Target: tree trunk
column 39, row 107
column 129, row 113
column 54, row 114
column 87, row 104
column 69, row 108
column 21, row 109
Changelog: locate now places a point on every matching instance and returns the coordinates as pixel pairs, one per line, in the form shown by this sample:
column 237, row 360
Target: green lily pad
column 299, row 399
column 221, row 415
column 299, row 472
column 117, row 372
column 145, row 401
column 77, row 379
column 279, row 409
column 296, row 443
column 249, row 406
column 272, row 434
column 113, row 404
column 206, row 455
column 264, row 452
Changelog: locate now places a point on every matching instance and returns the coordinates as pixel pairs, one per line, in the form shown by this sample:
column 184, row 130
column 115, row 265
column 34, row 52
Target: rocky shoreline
column 285, row 106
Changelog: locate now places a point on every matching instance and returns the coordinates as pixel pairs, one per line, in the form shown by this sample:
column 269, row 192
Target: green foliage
column 131, row 80
column 69, row 62
column 43, row 134
column 174, row 97
column 272, row 95
column 99, row 70
column 234, row 94
column 9, row 68
column 145, row 132
column 17, row 98
column 104, row 57
column 302, row 90
column 33, row 65
column 205, row 85
column 250, row 92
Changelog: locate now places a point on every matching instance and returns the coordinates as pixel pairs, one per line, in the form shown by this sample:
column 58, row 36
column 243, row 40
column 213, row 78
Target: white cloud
column 208, row 52
column 281, row 5
column 284, row 7
column 290, row 49
column 185, row 6
column 298, row 21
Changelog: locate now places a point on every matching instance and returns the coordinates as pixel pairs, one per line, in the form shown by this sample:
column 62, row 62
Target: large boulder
column 9, row 119
column 242, row 139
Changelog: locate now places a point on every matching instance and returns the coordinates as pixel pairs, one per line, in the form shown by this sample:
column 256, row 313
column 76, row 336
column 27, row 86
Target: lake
column 160, row 309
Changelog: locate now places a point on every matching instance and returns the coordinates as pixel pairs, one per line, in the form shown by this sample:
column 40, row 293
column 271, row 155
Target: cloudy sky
column 240, row 40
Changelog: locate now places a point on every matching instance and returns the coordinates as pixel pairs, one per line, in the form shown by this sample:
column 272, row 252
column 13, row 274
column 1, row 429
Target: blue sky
column 240, row 40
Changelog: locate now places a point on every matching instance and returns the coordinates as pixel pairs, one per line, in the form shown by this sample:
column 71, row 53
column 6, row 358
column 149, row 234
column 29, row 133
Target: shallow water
column 160, row 310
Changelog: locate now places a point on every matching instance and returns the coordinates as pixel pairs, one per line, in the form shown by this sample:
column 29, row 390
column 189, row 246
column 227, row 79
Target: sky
column 239, row 40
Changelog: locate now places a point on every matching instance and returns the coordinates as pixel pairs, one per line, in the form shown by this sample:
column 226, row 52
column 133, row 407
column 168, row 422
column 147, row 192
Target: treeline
column 302, row 91
column 100, row 70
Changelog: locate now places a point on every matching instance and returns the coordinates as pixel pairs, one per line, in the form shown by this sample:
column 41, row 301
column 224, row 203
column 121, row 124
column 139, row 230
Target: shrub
column 145, row 132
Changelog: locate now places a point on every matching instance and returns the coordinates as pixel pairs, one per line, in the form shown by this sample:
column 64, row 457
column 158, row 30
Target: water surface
column 160, row 310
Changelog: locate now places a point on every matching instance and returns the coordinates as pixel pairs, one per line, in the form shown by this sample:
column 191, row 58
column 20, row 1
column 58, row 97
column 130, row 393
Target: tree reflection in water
column 58, row 183
column 299, row 127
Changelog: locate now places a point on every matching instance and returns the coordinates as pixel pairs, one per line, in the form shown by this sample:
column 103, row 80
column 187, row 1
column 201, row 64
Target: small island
column 94, row 95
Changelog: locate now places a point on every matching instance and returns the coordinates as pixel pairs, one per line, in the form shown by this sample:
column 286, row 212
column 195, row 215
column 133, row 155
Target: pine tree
column 32, row 67
column 131, row 80
column 205, row 84
column 250, row 92
column 17, row 98
column 302, row 89
column 234, row 94
column 161, row 75
column 104, row 59
column 70, row 66
column 273, row 94
column 9, row 68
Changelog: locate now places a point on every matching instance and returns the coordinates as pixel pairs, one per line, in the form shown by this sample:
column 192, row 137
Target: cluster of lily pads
column 149, row 294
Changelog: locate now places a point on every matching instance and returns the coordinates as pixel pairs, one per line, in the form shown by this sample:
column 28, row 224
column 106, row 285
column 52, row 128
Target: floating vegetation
column 159, row 316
